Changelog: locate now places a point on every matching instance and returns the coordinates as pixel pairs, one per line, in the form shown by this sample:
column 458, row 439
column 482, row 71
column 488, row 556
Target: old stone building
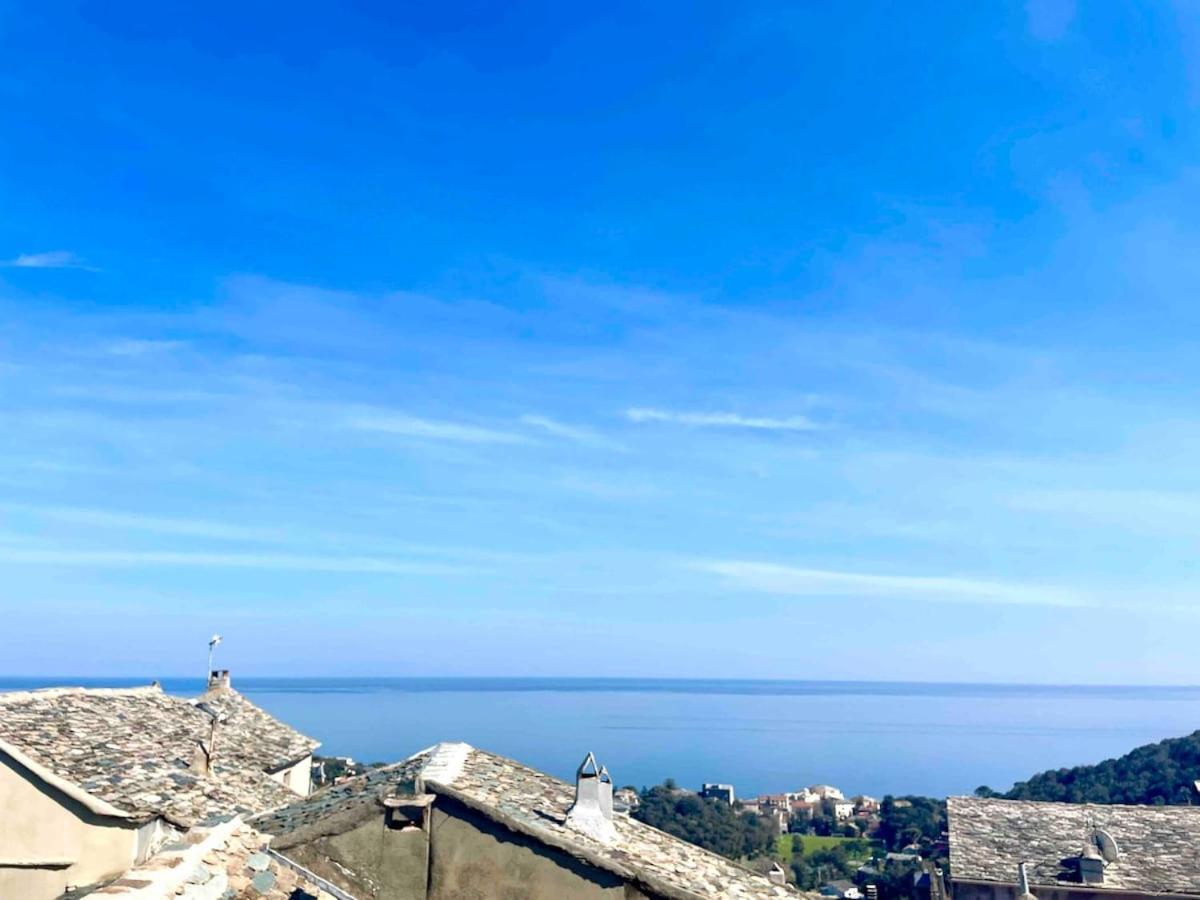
column 94, row 781
column 454, row 822
column 1072, row 851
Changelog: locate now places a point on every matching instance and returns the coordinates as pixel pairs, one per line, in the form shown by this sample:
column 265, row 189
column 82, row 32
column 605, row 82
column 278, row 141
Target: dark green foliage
column 895, row 880
column 1161, row 773
column 710, row 824
column 812, row 870
column 911, row 820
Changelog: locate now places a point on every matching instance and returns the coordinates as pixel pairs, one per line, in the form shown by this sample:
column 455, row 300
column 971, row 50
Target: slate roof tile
column 1158, row 846
column 133, row 748
column 534, row 804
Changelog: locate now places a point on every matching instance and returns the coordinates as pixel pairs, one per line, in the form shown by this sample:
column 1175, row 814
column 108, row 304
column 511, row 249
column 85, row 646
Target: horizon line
column 140, row 678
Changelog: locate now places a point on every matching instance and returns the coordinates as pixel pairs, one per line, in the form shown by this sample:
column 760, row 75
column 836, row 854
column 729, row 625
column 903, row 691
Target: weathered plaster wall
column 472, row 858
column 297, row 776
column 36, row 884
column 370, row 861
column 42, row 829
column 459, row 855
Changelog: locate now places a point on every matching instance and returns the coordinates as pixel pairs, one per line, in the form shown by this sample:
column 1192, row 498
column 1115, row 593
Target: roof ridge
column 446, row 761
column 64, row 691
column 631, row 822
column 1087, row 804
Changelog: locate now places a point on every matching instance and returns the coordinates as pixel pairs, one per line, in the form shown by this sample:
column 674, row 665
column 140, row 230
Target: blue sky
column 818, row 341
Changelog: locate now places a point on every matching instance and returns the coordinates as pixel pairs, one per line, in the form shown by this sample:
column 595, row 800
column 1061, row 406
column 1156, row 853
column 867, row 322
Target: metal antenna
column 212, row 644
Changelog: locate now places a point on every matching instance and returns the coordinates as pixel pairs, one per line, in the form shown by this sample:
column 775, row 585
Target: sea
column 761, row 736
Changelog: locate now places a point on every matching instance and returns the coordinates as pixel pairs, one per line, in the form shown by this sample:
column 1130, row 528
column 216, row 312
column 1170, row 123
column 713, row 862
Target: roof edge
column 76, row 793
column 957, row 799
column 50, row 692
column 599, row 860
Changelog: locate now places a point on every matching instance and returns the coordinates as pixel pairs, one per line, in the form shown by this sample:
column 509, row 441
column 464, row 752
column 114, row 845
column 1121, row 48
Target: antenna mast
column 212, row 644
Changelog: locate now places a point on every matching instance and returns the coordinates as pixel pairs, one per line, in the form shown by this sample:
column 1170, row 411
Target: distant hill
column 1162, row 773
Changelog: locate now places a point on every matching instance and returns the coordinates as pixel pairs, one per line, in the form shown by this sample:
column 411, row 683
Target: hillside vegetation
column 1162, row 773
column 710, row 824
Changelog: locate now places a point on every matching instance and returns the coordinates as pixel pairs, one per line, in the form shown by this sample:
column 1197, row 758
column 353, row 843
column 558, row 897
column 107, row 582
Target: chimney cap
column 589, row 768
column 592, row 812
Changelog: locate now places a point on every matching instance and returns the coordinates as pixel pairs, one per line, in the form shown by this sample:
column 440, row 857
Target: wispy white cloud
column 430, row 429
column 607, row 487
column 52, row 259
column 577, row 433
column 1147, row 511
column 97, row 518
column 773, row 578
column 187, row 559
column 294, row 541
column 721, row 420
column 142, row 347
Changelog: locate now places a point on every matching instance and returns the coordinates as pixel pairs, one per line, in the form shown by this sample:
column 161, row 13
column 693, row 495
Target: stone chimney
column 218, row 679
column 777, row 875
column 1091, row 865
column 592, row 812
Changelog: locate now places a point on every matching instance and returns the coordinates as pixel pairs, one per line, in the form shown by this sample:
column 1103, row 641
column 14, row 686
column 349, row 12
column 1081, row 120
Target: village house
column 454, row 821
column 866, row 804
column 826, row 792
column 805, row 809
column 842, row 809
column 95, row 781
column 841, row 889
column 722, row 792
column 805, row 796
column 1069, row 851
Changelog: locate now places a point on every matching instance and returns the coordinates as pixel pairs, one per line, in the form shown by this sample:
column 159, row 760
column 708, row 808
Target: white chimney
column 592, row 812
column 218, row 679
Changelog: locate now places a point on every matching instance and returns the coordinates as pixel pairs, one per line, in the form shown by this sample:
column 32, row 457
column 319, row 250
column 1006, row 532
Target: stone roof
column 132, row 750
column 254, row 735
column 326, row 810
column 1158, row 847
column 534, row 804
column 227, row 860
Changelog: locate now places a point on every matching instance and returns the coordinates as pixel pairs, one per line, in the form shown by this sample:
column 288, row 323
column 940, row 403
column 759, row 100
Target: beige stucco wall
column 458, row 855
column 49, row 842
column 472, row 857
column 297, row 776
column 370, row 860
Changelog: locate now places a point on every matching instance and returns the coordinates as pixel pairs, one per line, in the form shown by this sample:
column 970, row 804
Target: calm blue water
column 874, row 738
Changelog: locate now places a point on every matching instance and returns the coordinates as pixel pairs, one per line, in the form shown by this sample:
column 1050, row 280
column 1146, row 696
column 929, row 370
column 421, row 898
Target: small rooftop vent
column 592, row 812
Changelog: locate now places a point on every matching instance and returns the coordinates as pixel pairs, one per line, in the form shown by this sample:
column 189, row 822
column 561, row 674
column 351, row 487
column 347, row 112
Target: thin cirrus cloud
column 186, row 559
column 773, row 578
column 52, row 259
column 575, row 433
column 430, row 429
column 142, row 347
column 721, row 420
column 97, row 518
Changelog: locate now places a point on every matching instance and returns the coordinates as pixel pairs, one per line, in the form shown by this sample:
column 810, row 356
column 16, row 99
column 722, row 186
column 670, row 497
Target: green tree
column 710, row 824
